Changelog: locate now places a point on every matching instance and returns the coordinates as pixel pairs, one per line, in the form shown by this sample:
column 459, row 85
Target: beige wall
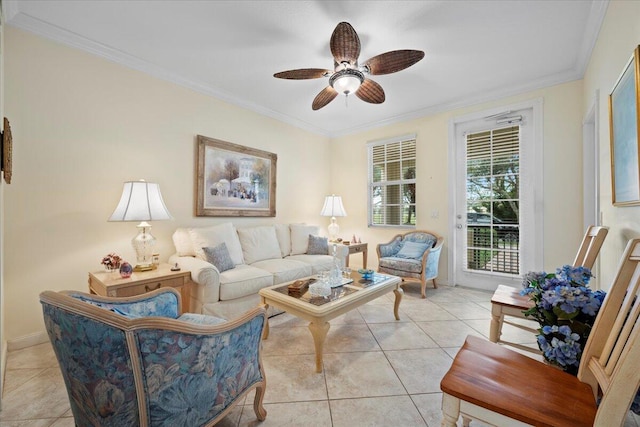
column 563, row 226
column 82, row 126
column 619, row 36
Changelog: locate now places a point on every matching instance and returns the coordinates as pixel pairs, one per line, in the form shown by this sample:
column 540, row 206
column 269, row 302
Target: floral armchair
column 412, row 255
column 136, row 362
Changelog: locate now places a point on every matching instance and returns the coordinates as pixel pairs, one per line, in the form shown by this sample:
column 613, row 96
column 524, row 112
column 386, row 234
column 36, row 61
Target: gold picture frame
column 234, row 180
column 7, row 151
column 624, row 119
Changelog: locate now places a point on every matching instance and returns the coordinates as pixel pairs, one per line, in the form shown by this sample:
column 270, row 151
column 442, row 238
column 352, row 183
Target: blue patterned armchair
column 412, row 255
column 137, row 362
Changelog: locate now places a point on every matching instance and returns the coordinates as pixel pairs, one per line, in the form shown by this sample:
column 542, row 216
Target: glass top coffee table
column 320, row 310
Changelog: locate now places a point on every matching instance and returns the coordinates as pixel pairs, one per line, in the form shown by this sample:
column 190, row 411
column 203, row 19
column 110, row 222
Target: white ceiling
column 476, row 50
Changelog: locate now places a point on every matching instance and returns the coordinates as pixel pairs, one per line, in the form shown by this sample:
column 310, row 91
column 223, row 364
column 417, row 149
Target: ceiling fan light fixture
column 346, row 81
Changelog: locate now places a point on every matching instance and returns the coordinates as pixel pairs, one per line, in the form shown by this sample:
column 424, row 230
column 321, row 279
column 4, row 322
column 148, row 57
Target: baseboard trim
column 27, row 341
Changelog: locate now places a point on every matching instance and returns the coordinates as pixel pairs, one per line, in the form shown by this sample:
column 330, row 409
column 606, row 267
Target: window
column 392, row 182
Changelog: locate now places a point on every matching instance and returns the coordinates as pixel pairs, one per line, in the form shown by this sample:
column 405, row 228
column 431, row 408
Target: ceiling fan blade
column 394, row 61
column 324, row 97
column 370, row 91
column 345, row 44
column 302, row 74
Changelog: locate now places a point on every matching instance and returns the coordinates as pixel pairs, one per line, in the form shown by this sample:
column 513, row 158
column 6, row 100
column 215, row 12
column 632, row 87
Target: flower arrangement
column 566, row 308
column 111, row 261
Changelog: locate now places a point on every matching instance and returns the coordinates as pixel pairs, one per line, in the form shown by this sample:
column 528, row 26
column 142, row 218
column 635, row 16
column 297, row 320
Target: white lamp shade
column 140, row 201
column 333, row 206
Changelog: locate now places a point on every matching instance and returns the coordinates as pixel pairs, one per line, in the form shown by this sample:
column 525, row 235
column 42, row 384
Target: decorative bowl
column 366, row 274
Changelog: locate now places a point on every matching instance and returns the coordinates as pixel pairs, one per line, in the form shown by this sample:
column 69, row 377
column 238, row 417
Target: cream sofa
column 262, row 256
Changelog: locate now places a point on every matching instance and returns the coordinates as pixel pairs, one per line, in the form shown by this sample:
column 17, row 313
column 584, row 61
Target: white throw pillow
column 182, row 242
column 283, row 233
column 213, row 236
column 300, row 237
column 259, row 243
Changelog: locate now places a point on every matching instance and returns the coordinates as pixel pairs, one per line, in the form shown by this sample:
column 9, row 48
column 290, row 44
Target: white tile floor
column 377, row 371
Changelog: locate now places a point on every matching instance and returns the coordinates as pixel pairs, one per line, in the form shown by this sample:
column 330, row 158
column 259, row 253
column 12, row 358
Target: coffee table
column 319, row 311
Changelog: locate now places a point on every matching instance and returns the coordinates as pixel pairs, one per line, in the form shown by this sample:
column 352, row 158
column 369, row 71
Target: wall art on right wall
column 623, row 127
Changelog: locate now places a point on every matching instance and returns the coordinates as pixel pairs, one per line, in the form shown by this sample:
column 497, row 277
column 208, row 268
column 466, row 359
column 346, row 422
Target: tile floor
column 377, row 371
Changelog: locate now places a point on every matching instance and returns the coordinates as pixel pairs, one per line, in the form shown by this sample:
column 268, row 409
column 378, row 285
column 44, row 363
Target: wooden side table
column 112, row 285
column 355, row 248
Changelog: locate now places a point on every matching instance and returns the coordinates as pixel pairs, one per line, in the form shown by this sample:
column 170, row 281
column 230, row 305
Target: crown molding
column 469, row 101
column 51, row 32
column 14, row 17
column 590, row 35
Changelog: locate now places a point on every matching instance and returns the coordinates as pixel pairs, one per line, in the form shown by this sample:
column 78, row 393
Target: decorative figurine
column 125, row 270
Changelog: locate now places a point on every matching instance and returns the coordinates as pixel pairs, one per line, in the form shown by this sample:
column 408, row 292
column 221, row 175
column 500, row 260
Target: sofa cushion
column 318, row 263
column 259, row 243
column 219, row 257
column 242, row 281
column 283, row 233
column 182, row 242
column 412, row 250
column 401, row 264
column 300, row 237
column 201, row 319
column 318, row 245
column 285, row 270
column 213, row 236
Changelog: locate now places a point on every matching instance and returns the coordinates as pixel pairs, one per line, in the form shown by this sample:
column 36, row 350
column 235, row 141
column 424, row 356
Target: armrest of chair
column 205, row 276
column 213, row 364
column 160, row 303
column 389, row 249
column 431, row 258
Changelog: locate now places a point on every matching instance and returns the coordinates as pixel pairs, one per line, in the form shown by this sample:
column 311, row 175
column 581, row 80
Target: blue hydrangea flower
column 566, row 308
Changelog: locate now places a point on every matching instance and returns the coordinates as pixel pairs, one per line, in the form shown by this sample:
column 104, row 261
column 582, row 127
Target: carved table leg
column 319, row 333
column 398, row 291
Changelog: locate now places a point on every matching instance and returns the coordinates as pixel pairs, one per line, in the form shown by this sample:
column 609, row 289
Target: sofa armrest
column 389, row 249
column 431, row 259
column 206, row 278
column 219, row 365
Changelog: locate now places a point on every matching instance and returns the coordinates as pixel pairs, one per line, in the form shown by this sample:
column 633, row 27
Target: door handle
column 459, row 226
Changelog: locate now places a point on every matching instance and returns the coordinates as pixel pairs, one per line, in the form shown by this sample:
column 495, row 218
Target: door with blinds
column 491, row 225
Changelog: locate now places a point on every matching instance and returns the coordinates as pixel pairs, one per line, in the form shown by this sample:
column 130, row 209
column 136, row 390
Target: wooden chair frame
column 501, row 387
column 507, row 301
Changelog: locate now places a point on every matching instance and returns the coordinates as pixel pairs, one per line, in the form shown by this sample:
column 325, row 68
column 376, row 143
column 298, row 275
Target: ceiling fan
column 347, row 76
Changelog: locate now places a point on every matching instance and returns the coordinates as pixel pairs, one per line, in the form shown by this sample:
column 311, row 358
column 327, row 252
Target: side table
column 355, row 248
column 112, row 285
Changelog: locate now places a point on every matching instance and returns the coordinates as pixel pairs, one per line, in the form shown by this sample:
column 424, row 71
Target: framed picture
column 623, row 126
column 234, row 180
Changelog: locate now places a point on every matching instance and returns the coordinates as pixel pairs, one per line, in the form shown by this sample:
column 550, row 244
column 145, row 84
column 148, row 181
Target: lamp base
column 333, row 229
column 143, row 245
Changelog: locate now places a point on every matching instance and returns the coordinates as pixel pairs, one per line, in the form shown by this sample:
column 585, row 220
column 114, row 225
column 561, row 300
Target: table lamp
column 333, row 208
column 141, row 201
